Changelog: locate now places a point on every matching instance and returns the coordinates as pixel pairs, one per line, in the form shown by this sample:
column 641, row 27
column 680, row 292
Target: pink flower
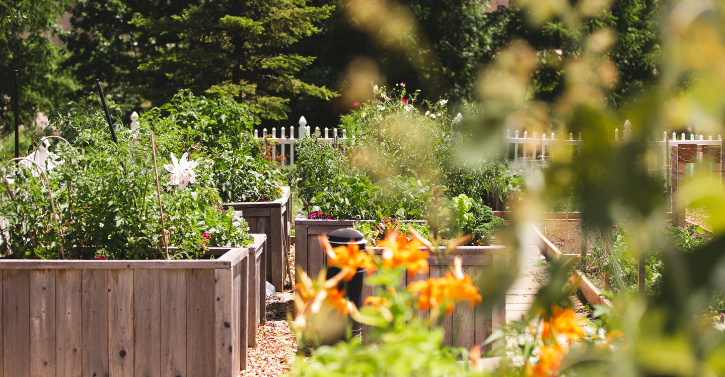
column 100, row 257
column 206, row 235
column 377, row 101
column 356, row 104
column 404, row 100
column 402, row 84
column 387, row 98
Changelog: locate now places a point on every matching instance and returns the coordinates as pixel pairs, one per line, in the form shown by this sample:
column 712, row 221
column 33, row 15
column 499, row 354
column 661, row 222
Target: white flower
column 408, row 107
column 458, row 118
column 100, row 225
column 443, row 101
column 382, row 95
column 433, row 116
column 380, row 107
column 182, row 172
column 427, row 113
column 375, row 89
column 134, row 120
column 362, row 115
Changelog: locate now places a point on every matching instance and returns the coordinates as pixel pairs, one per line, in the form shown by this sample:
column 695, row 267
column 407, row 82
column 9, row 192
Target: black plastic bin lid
column 346, row 236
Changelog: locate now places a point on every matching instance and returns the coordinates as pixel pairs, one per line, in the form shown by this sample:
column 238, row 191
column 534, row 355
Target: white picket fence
column 526, row 151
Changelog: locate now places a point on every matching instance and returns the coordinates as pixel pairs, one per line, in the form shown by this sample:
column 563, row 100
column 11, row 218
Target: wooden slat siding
column 301, row 249
column 252, row 301
column 275, row 261
column 315, row 255
column 223, row 325
column 147, row 322
column 120, row 319
column 199, row 328
column 244, row 329
column 498, row 315
column 417, row 277
column 434, row 273
column 68, row 327
column 172, row 288
column 112, row 264
column 464, row 324
column 16, row 323
column 42, row 323
column 252, row 222
column 236, row 320
column 482, row 318
column 326, row 229
column 262, row 265
column 367, row 291
column 256, row 212
column 94, row 309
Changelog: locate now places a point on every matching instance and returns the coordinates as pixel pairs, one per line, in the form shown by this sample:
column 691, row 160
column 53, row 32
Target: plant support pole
column 158, row 194
column 105, row 108
column 17, row 120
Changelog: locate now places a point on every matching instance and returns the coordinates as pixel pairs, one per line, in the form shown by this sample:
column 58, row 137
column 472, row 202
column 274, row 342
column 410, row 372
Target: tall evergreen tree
column 236, row 49
column 104, row 45
column 26, row 28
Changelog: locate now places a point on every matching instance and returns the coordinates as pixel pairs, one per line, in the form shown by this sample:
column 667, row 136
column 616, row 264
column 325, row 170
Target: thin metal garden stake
column 50, row 194
column 158, row 194
column 17, row 120
column 105, row 108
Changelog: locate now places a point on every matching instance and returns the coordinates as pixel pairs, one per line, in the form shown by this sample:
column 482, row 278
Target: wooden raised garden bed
column 273, row 219
column 129, row 318
column 473, row 326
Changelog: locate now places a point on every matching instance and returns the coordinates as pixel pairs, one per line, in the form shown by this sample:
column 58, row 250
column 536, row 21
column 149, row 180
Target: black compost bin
column 353, row 290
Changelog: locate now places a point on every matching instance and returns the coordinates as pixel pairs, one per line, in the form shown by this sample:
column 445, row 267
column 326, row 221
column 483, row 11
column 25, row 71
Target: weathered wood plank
column 434, row 273
column 466, row 260
column 147, row 322
column 69, row 323
column 223, row 324
column 262, row 286
column 94, row 306
column 252, row 222
column 464, row 322
column 498, row 311
column 172, row 288
column 327, row 228
column 199, row 329
column 112, row 264
column 300, row 250
column 235, row 255
column 243, row 312
column 262, row 225
column 252, row 300
column 418, row 277
column 120, row 320
column 275, row 246
column 255, row 212
column 16, row 323
column 315, row 256
column 236, row 283
column 482, row 319
column 42, row 323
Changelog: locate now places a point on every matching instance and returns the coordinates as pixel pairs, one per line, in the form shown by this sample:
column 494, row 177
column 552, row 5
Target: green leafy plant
column 470, row 217
column 106, row 203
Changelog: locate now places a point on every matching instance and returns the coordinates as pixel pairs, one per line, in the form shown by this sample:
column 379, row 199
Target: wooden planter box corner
column 130, row 318
column 273, row 219
column 473, row 326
